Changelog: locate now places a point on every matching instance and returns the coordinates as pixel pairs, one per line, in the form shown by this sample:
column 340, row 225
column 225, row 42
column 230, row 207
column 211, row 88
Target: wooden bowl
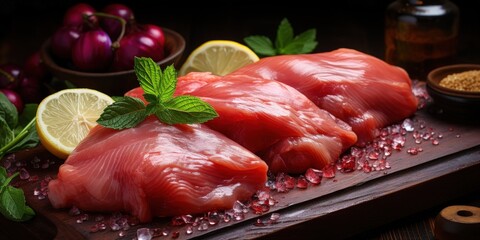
column 112, row 83
column 449, row 100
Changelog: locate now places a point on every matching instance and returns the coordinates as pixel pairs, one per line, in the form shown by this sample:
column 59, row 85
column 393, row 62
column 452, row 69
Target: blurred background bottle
column 421, row 35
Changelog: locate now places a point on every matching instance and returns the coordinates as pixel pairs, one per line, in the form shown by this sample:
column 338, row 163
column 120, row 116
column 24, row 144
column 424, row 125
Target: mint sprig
column 159, row 88
column 13, row 205
column 285, row 41
column 17, row 132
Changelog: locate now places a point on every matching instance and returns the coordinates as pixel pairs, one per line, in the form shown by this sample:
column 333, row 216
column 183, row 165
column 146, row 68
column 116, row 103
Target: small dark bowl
column 112, row 83
column 449, row 100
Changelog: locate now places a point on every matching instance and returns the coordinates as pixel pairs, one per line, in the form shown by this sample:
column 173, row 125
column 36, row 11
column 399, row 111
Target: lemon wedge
column 64, row 118
column 220, row 57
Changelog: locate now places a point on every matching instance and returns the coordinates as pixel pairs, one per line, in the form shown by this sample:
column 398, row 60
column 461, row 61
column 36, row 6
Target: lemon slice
column 220, row 57
column 65, row 118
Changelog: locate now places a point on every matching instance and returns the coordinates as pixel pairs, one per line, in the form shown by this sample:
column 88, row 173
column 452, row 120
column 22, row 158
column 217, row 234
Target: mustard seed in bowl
column 464, row 81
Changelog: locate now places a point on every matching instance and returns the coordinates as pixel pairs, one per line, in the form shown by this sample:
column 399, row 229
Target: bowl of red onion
column 110, row 78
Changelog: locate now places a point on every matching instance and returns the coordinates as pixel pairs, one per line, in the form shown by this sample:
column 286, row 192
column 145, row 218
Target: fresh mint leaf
column 285, row 41
column 148, row 74
column 303, row 43
column 284, row 34
column 8, row 112
column 13, row 204
column 159, row 88
column 123, row 113
column 186, row 109
column 3, row 176
column 261, row 45
column 169, row 83
column 28, row 113
column 6, row 134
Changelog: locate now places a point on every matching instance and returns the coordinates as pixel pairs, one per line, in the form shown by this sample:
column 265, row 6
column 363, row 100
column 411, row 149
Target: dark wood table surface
column 353, row 24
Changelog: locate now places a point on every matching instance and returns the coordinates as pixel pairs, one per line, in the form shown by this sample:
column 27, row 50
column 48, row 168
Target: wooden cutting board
column 337, row 208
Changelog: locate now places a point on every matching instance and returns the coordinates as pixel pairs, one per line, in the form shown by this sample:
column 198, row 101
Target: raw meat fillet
column 157, row 170
column 271, row 119
column 364, row 91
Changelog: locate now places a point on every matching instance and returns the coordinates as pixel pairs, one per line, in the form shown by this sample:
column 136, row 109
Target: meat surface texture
column 271, row 119
column 364, row 91
column 157, row 170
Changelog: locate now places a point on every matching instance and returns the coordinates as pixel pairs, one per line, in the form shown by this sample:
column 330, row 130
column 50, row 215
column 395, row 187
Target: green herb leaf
column 159, row 88
column 123, row 113
column 8, row 112
column 261, row 45
column 285, row 42
column 3, row 175
column 169, row 83
column 303, row 43
column 16, row 133
column 6, row 134
column 148, row 74
column 13, row 204
column 284, row 34
column 186, row 109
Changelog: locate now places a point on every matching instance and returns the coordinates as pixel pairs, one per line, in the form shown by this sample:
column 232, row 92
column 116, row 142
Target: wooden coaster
column 458, row 222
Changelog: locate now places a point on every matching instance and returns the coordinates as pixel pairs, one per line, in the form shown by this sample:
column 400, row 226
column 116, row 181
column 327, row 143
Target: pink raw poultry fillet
column 157, row 170
column 364, row 91
column 271, row 119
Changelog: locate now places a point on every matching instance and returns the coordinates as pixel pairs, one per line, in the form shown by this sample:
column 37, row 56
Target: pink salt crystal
column 175, row 234
column 366, row 167
column 274, row 218
column 177, row 221
column 259, row 223
column 314, row 176
column 165, row 231
column 144, row 234
column 262, row 195
column 239, row 207
column 213, row 218
column 122, row 233
column 23, row 173
column 203, row 226
column 407, row 124
column 412, row 151
column 348, row 164
column 328, row 171
column 189, row 230
column 435, row 142
column 74, row 211
column 302, row 182
column 289, row 182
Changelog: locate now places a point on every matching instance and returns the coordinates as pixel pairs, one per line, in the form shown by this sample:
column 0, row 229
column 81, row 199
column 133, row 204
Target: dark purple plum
column 113, row 26
column 92, row 51
column 9, row 73
column 137, row 44
column 14, row 98
column 74, row 15
column 62, row 42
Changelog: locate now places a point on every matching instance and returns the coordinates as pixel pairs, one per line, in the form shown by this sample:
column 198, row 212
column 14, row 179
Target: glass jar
column 421, row 35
